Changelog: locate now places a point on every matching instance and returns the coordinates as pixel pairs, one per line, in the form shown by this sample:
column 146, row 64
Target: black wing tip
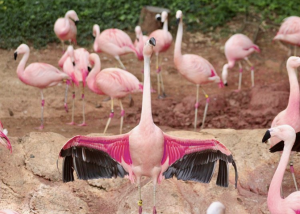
column 277, row 147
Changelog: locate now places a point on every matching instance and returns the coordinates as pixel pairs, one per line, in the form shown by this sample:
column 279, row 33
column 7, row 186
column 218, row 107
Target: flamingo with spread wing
column 146, row 151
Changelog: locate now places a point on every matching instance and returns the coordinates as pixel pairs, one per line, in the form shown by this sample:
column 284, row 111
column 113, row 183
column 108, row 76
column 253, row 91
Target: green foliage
column 32, row 21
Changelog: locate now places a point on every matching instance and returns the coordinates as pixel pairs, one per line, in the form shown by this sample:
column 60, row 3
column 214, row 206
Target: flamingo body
column 289, row 31
column 65, row 28
column 145, row 151
column 164, row 40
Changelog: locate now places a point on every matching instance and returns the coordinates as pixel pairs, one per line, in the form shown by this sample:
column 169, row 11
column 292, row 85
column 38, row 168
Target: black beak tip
column 89, row 69
column 177, row 21
column 152, row 41
column 158, row 17
column 76, row 22
column 73, row 63
column 226, row 84
column 266, row 136
column 15, row 55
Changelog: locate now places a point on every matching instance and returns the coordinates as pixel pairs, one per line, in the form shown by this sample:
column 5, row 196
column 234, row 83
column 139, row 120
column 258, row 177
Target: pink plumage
column 40, row 75
column 238, row 47
column 194, row 68
column 114, row 82
column 114, row 42
column 289, row 31
column 6, row 211
column 4, row 141
column 65, row 28
column 140, row 41
column 145, row 151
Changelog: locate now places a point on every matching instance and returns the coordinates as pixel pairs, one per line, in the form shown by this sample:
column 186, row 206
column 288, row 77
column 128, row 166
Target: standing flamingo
column 40, row 75
column 216, row 208
column 289, row 31
column 238, row 47
column 276, row 204
column 114, row 82
column 194, row 68
column 140, row 40
column 75, row 64
column 145, row 151
column 291, row 115
column 164, row 41
column 114, row 42
column 4, row 141
column 65, row 28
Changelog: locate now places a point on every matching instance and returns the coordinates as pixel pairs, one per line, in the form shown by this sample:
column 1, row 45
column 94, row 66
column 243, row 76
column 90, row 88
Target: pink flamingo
column 194, row 68
column 145, row 151
column 114, row 42
column 290, row 115
column 276, row 204
column 289, row 31
column 4, row 141
column 216, row 208
column 8, row 212
column 238, row 47
column 114, row 82
column 75, row 64
column 40, row 75
column 164, row 41
column 65, row 28
column 140, row 40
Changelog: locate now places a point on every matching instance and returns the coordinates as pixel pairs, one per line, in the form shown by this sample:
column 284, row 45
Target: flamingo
column 75, row 64
column 4, row 141
column 194, row 68
column 114, row 82
column 290, row 115
column 40, row 75
column 65, row 28
column 145, row 151
column 276, row 204
column 8, row 212
column 114, row 42
column 289, row 31
column 216, row 208
column 164, row 41
column 140, row 40
column 238, row 47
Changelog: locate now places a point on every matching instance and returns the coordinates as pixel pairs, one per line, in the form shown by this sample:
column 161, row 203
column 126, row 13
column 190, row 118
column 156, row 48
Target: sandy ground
column 250, row 108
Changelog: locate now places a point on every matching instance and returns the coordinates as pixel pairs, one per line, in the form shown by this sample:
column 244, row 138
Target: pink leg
column 83, row 112
column 73, row 103
column 154, row 197
column 122, row 117
column 42, row 115
column 240, row 78
column 196, row 108
column 140, row 202
column 293, row 174
column 66, row 95
column 111, row 115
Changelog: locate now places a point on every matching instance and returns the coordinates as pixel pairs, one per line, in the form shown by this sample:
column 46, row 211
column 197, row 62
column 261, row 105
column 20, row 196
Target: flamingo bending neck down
column 114, row 42
column 145, row 151
column 276, row 204
column 4, row 141
column 194, row 68
column 238, row 47
column 65, row 28
column 164, row 41
column 40, row 75
column 290, row 115
column 114, row 82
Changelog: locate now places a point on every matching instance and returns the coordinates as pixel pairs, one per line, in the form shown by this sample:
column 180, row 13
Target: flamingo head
column 23, row 48
column 70, row 52
column 164, row 16
column 283, row 132
column 96, row 30
column 178, row 16
column 138, row 32
column 293, row 62
column 148, row 48
column 71, row 14
column 158, row 17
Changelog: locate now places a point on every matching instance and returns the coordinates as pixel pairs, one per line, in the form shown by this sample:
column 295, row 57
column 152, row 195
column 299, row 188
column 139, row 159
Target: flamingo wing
column 95, row 157
column 195, row 160
column 279, row 146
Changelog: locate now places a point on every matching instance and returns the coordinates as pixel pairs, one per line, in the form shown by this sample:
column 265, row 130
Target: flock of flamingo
column 146, row 150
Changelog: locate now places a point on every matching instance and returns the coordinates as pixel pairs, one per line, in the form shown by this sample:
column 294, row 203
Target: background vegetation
column 32, row 21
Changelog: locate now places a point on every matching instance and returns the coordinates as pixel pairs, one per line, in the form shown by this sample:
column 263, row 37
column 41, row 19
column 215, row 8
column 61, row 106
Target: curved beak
column 266, row 137
column 15, row 55
column 152, row 41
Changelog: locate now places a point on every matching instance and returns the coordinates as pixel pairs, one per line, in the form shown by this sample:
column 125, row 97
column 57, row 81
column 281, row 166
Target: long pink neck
column 177, row 50
column 274, row 190
column 146, row 115
column 294, row 99
column 91, row 78
column 165, row 26
column 21, row 66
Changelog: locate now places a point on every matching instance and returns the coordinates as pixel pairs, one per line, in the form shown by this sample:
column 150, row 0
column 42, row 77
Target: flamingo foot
column 154, row 210
column 41, row 127
column 71, row 123
column 82, row 124
column 66, row 107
